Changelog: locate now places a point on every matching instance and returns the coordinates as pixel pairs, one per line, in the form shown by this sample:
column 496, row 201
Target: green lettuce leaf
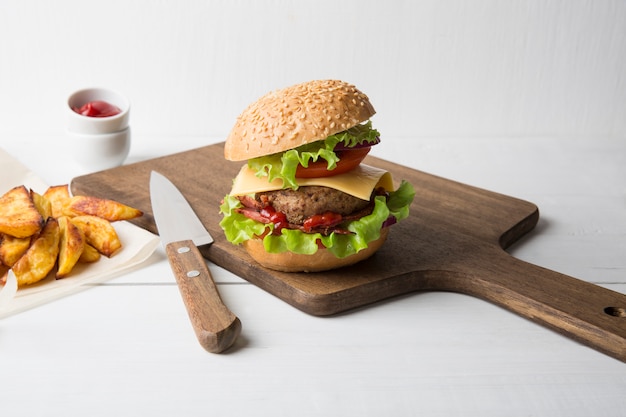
column 238, row 228
column 400, row 200
column 283, row 165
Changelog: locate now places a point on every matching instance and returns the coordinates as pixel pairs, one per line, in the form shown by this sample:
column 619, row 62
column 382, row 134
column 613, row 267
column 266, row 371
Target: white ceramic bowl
column 79, row 123
column 97, row 152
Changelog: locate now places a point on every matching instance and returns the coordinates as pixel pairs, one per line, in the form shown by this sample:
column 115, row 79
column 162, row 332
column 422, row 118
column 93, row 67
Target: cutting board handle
column 588, row 313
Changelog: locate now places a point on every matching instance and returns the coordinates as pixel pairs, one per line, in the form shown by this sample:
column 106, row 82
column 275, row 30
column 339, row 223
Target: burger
column 304, row 201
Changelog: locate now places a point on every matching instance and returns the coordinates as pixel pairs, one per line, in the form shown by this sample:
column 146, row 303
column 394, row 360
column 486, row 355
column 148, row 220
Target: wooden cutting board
column 454, row 240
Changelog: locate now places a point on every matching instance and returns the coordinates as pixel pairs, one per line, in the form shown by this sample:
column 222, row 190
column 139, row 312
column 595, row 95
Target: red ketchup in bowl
column 97, row 108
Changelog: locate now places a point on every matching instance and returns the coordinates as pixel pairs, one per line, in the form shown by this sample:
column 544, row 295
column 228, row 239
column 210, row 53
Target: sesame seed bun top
column 294, row 116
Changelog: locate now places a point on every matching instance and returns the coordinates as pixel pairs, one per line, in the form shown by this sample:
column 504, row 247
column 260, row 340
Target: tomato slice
column 348, row 160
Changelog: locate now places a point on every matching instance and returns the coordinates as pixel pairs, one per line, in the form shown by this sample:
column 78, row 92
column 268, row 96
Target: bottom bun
column 322, row 260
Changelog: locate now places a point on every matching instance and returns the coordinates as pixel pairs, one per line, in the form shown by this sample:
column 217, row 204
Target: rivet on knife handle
column 215, row 325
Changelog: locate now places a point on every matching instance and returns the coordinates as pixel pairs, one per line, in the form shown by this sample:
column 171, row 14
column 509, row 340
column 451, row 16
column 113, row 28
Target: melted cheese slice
column 359, row 182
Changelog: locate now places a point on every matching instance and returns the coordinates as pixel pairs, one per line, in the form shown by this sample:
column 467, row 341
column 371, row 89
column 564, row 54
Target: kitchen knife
column 181, row 231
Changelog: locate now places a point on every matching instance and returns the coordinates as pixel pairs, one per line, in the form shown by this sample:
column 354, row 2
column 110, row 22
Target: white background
column 432, row 68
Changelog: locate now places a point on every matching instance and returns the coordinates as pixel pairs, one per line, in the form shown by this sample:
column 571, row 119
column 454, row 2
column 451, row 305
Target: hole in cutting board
column 615, row 311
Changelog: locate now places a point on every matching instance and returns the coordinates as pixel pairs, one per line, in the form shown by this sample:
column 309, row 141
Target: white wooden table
column 126, row 347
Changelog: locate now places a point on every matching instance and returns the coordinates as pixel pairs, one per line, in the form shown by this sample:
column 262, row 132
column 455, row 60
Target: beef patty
column 307, row 201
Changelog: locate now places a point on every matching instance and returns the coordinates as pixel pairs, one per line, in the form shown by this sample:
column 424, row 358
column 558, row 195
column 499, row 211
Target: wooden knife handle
column 215, row 325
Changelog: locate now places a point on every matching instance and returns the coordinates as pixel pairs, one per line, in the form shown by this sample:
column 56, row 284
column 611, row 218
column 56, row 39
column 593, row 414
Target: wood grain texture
column 216, row 327
column 454, row 240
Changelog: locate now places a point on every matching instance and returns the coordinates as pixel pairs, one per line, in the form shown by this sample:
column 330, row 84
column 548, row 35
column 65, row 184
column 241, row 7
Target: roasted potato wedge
column 106, row 209
column 4, row 270
column 71, row 246
column 99, row 233
column 39, row 231
column 58, row 196
column 40, row 257
column 89, row 255
column 12, row 248
column 18, row 215
column 42, row 204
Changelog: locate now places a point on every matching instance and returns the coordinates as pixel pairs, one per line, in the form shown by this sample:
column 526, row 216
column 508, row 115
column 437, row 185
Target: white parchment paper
column 137, row 245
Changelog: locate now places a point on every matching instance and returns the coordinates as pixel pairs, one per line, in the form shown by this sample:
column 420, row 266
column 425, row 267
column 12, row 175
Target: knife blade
column 181, row 233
